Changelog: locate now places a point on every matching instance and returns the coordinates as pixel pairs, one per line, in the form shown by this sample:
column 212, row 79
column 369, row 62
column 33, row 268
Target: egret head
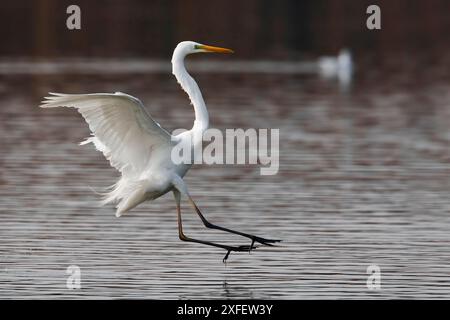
column 188, row 47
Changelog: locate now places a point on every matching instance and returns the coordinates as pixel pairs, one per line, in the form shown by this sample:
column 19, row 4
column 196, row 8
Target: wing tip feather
column 51, row 100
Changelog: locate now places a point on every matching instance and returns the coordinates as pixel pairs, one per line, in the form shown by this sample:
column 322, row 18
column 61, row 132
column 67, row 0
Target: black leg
column 183, row 237
column 267, row 242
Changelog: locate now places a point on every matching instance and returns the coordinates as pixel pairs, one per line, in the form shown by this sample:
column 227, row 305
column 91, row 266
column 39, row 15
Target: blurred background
column 364, row 173
column 256, row 29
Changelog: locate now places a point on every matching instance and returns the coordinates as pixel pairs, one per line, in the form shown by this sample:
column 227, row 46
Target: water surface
column 364, row 179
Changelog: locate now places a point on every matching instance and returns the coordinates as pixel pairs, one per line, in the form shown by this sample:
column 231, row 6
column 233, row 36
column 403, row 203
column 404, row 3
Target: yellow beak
column 215, row 49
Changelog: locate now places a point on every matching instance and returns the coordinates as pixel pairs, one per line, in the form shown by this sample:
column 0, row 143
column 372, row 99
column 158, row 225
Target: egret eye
column 197, row 46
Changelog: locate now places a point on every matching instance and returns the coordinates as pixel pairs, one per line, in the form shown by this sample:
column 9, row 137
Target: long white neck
column 190, row 86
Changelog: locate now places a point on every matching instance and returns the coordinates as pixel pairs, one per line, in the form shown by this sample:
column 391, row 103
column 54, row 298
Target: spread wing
column 122, row 128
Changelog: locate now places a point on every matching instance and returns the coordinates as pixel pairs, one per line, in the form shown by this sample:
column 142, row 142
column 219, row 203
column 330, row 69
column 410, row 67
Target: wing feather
column 125, row 133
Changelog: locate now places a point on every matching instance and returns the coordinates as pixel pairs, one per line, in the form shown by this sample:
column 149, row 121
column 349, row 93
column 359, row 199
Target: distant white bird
column 140, row 149
column 340, row 67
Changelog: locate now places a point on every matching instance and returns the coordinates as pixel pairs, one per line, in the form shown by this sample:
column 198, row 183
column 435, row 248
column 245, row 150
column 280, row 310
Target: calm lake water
column 364, row 180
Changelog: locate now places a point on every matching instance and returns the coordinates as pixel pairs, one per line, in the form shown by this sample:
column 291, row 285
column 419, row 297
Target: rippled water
column 364, row 179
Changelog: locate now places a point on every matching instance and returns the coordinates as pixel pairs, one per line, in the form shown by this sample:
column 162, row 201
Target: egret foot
column 237, row 249
column 267, row 242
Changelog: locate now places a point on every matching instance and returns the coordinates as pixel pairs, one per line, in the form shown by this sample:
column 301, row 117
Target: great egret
column 140, row 148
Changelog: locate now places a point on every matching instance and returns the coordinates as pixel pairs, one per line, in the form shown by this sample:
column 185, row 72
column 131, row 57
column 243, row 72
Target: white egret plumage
column 140, row 148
